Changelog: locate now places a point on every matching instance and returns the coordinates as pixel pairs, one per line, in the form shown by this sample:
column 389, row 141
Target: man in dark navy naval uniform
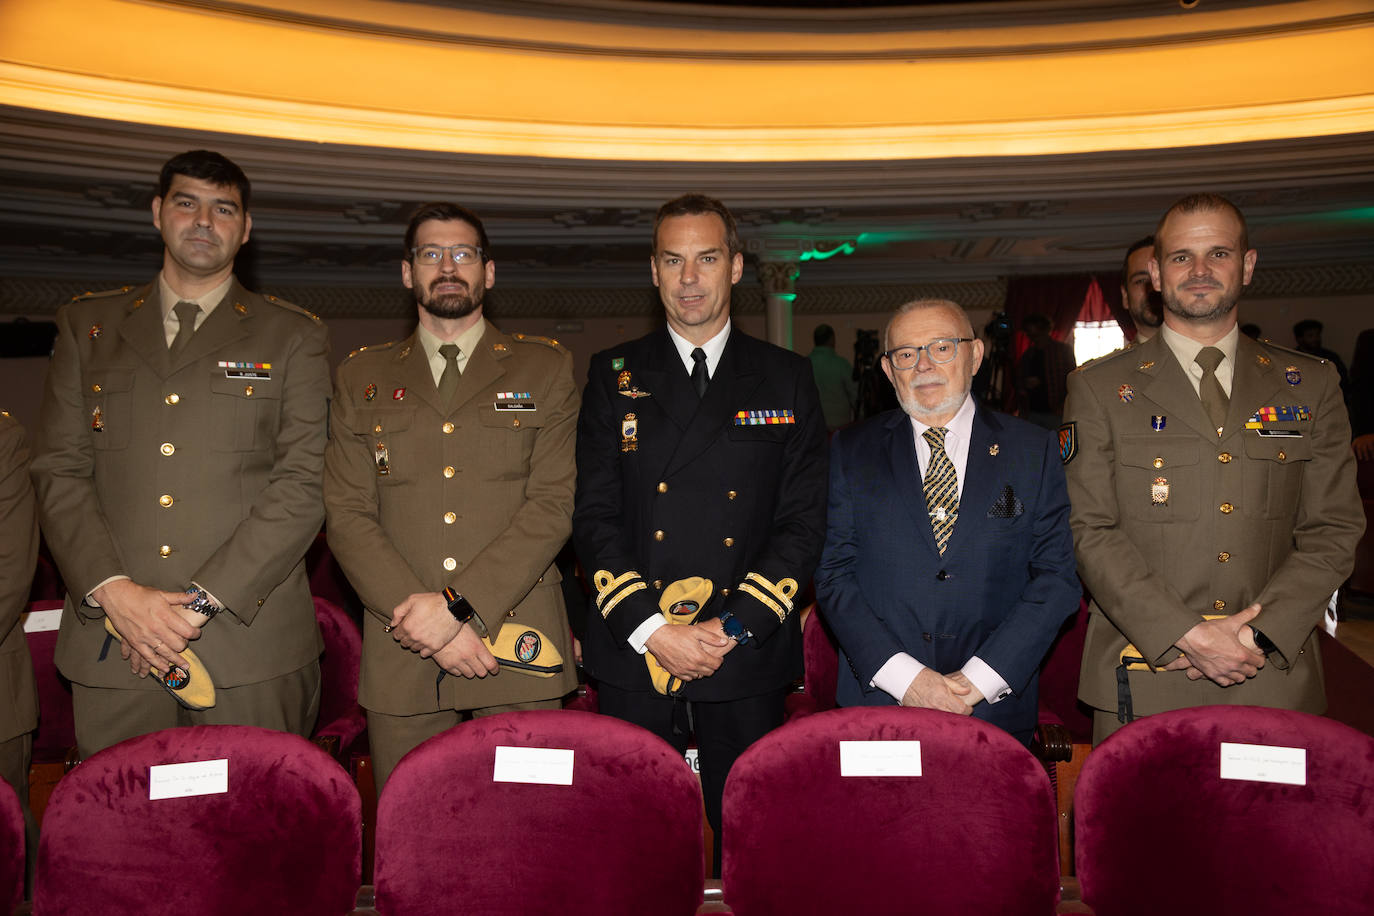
column 700, row 453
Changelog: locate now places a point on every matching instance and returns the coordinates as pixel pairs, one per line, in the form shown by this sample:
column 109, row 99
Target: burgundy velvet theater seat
column 341, row 719
column 624, row 838
column 821, row 666
column 11, row 848
column 1159, row 830
column 285, row 838
column 973, row 834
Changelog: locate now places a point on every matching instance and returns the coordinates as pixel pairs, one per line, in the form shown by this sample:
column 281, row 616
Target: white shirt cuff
column 988, row 682
column 894, row 677
column 644, row 631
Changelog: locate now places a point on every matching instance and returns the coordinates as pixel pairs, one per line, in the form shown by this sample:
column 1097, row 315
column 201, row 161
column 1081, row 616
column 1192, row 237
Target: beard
column 450, row 305
column 1148, row 314
column 1201, row 311
column 914, row 408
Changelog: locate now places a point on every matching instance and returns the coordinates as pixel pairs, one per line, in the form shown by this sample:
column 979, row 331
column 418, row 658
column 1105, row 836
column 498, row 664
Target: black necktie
column 699, row 377
column 1214, row 399
column 448, row 381
column 186, row 313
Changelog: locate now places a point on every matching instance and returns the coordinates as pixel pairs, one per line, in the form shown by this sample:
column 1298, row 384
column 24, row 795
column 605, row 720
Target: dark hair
column 443, row 211
column 696, row 205
column 1204, row 203
column 1307, row 324
column 1037, row 320
column 1147, row 242
column 823, row 336
column 205, row 165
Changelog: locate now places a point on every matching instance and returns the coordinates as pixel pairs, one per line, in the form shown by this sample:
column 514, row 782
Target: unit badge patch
column 1068, row 442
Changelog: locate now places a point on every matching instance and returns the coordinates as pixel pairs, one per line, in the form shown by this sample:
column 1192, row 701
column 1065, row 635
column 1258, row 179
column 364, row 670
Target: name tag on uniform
column 1280, row 433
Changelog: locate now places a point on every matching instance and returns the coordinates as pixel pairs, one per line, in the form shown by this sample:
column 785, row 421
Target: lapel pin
column 1262, row 359
column 1157, row 423
column 1148, row 364
column 994, row 449
column 398, row 395
column 94, row 332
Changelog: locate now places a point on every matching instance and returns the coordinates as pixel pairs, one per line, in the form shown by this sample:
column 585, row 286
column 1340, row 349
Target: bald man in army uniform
column 449, row 490
column 1213, row 490
column 178, row 466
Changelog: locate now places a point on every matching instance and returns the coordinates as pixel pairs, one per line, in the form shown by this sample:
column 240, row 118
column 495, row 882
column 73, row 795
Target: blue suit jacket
column 1002, row 589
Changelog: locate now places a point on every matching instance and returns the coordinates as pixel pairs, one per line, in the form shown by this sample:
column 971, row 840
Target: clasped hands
column 1222, row 650
column 946, row 692
column 155, row 625
column 690, row 651
column 422, row 623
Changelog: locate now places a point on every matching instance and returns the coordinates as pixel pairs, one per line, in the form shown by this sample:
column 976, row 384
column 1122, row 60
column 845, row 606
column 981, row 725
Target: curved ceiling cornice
column 639, row 82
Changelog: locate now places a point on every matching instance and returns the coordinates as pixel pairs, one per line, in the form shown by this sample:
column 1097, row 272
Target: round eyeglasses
column 940, row 351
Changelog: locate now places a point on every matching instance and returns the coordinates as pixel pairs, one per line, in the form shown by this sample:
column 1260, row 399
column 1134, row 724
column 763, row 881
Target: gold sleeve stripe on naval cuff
column 610, row 591
column 776, row 597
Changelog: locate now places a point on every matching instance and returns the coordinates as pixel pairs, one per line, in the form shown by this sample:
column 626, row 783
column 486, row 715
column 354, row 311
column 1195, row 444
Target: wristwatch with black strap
column 463, row 612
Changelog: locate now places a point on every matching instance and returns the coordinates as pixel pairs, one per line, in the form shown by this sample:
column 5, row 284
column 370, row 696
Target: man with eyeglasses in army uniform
column 948, row 564
column 449, row 492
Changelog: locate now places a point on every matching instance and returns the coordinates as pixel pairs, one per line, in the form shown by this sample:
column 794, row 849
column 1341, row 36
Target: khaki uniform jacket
column 1172, row 523
column 199, row 471
column 18, row 553
column 477, row 495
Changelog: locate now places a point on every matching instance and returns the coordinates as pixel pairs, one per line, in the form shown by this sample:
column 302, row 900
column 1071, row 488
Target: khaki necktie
column 448, row 382
column 186, row 313
column 941, row 488
column 1214, row 399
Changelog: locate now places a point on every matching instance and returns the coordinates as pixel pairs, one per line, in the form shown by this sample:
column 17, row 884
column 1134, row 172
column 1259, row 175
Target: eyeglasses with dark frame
column 940, row 351
column 433, row 255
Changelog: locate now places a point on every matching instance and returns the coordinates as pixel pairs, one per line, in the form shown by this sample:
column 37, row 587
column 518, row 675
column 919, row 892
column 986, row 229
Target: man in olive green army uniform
column 177, row 466
column 18, row 554
column 449, row 491
column 1213, row 490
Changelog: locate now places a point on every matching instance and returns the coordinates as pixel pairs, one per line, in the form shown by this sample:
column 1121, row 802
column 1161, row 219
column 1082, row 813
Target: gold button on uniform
column 377, row 430
column 658, row 585
column 164, row 500
column 96, row 388
column 164, row 551
column 1282, row 456
column 725, row 591
column 173, row 398
column 449, row 471
column 729, row 542
column 658, row 535
column 731, row 495
column 1226, row 508
column 450, row 564
column 447, row 428
column 1224, row 457
column 510, row 613
column 450, row 518
column 662, row 487
column 248, row 391
column 1218, row 605
column 168, row 448
column 515, row 423
column 1159, row 462
column 1223, row 557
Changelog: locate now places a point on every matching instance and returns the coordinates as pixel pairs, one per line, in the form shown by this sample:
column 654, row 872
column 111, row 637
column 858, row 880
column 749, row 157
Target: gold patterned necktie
column 941, row 488
column 1214, row 399
column 186, row 313
column 448, row 382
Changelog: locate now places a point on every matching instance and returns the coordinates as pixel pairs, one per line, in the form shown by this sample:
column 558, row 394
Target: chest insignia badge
column 1157, row 423
column 629, row 433
column 398, row 395
column 1293, row 376
column 1126, row 393
column 369, row 392
column 1159, row 491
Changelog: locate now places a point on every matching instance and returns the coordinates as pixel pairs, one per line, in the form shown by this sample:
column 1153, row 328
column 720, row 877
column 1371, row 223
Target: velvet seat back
column 1157, row 828
column 1059, row 679
column 285, row 838
column 625, row 837
column 340, row 714
column 11, row 848
column 821, row 664
column 974, row 833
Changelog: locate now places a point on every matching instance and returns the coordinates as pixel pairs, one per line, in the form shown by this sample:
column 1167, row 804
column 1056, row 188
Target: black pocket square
column 1007, row 505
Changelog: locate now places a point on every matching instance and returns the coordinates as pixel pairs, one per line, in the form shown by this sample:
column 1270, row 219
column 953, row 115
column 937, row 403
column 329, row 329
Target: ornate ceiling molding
column 433, row 76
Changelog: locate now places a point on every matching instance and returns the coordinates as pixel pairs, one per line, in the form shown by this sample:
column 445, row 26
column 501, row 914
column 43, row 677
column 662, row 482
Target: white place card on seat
column 182, row 780
column 880, row 758
column 42, row 621
column 1264, row 763
column 549, row 766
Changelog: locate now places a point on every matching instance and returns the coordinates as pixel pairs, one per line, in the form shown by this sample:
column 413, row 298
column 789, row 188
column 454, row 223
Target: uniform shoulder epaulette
column 387, row 345
column 101, row 294
column 546, row 341
column 292, row 307
column 1105, row 358
column 1269, row 344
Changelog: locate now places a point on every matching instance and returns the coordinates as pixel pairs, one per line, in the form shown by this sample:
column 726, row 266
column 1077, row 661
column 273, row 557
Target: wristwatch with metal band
column 202, row 603
column 735, row 629
column 463, row 611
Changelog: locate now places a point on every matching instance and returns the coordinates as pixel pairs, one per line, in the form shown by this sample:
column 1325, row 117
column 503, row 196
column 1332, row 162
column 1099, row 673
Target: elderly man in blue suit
column 948, row 565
